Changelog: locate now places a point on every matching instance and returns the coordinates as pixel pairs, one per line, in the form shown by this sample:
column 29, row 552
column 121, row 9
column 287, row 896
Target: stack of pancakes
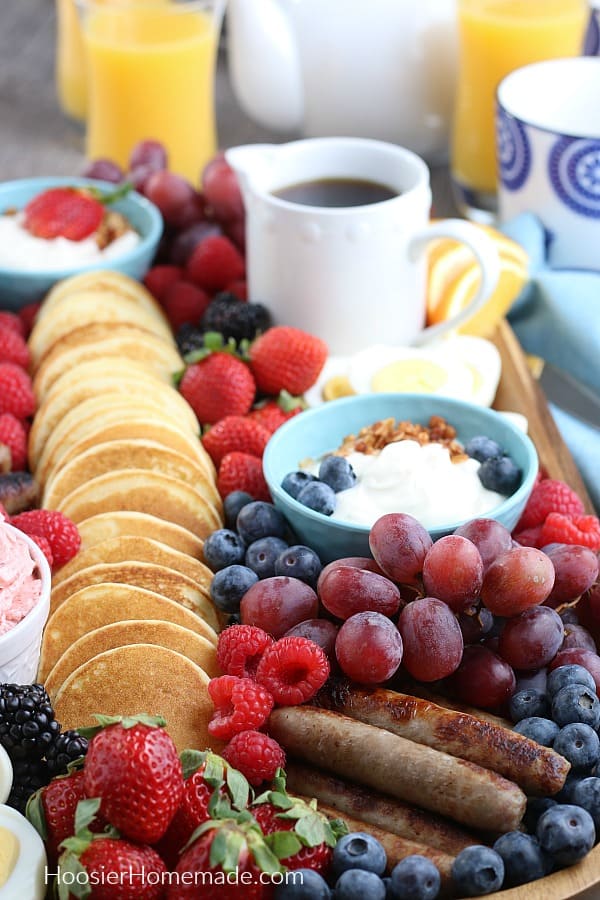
column 115, row 447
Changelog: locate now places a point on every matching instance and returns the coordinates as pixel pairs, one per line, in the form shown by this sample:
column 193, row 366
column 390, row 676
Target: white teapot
column 382, row 69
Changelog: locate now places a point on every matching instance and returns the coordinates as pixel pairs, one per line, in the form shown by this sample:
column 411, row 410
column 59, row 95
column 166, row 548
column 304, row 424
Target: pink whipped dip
column 20, row 588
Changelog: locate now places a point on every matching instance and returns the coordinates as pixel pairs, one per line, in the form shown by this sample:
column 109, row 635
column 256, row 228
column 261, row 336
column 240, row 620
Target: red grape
column 483, row 679
column 358, row 562
column 139, row 176
column 578, row 636
column 368, row 648
column 532, row 639
column 170, row 192
column 222, row 191
column 576, row 570
column 433, row 642
column 320, row 631
column 585, row 658
column 236, row 232
column 520, row 578
column 453, row 572
column 489, row 536
column 104, row 170
column 346, row 590
column 476, row 625
column 149, row 153
column 190, row 213
column 186, row 241
column 277, row 604
column 535, row 680
column 593, row 602
column 399, row 544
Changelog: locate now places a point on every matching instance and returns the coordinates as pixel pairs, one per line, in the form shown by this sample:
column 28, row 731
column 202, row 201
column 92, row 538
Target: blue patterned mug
column 548, row 149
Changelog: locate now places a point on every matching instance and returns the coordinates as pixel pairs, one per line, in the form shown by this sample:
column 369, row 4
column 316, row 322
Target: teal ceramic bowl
column 19, row 287
column 322, row 429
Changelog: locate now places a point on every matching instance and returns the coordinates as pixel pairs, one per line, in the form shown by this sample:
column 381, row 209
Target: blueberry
column 356, row 884
column 523, row 858
column 501, row 475
column 528, row 703
column 358, row 850
column 302, row 884
column 295, row 481
column 566, row 675
column 258, row 520
column 579, row 744
column 478, row 870
column 223, row 548
column 262, row 555
column 337, row 472
column 299, row 562
column 567, row 791
column 482, row 447
column 388, row 888
column 318, row 496
column 542, row 731
column 576, row 703
column 229, row 586
column 415, row 878
column 536, row 807
column 232, row 504
column 566, row 834
column 587, row 795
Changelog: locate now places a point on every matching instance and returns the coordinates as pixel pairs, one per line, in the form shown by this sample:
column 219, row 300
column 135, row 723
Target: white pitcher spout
column 264, row 63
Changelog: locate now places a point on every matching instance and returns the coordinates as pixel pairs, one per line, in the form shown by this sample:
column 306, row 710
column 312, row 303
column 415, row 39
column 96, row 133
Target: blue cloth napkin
column 557, row 317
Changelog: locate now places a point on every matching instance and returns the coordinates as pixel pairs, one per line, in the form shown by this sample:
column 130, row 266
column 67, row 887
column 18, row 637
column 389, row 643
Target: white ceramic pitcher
column 383, row 69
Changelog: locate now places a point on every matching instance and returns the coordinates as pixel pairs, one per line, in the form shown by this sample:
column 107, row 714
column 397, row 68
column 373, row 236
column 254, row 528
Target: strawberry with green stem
column 69, row 212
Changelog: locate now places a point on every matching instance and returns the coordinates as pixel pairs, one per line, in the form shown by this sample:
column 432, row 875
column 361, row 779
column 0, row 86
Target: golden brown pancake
column 141, row 490
column 94, row 332
column 134, row 631
column 131, row 524
column 101, row 604
column 140, row 549
column 140, row 678
column 150, row 576
column 101, row 281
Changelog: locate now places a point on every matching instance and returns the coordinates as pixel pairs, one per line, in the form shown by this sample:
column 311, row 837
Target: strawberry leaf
column 191, row 761
column 76, row 765
column 219, row 807
column 214, row 773
column 35, row 814
column 78, row 844
column 107, row 197
column 338, row 830
column 78, row 883
column 235, row 841
column 238, row 788
column 218, row 849
column 313, row 830
column 284, row 844
column 263, row 855
column 143, row 719
column 287, row 402
column 85, row 813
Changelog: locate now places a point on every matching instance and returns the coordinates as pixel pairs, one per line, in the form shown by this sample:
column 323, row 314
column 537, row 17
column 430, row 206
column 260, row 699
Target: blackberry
column 67, row 747
column 27, row 724
column 235, row 318
column 189, row 338
column 29, row 775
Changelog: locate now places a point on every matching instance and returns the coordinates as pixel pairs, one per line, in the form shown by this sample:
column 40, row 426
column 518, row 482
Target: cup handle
column 485, row 253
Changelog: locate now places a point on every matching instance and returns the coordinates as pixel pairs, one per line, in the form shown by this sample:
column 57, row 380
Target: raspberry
column 14, row 436
column 271, row 415
column 235, row 433
column 293, row 669
column 219, row 385
column 240, row 704
column 242, row 472
column 257, row 756
column 240, row 649
column 28, row 315
column 549, row 496
column 159, row 278
column 59, row 531
column 12, row 322
column 13, row 348
column 239, row 288
column 184, row 303
column 529, row 537
column 581, row 530
column 215, row 263
column 44, row 546
column 287, row 359
column 16, row 392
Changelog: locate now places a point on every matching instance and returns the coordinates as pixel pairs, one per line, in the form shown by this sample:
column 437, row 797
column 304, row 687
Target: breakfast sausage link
column 376, row 809
column 379, row 759
column 537, row 769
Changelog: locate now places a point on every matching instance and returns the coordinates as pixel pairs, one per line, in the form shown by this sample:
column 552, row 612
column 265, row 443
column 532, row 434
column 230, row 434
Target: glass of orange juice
column 496, row 37
column 70, row 60
column 150, row 68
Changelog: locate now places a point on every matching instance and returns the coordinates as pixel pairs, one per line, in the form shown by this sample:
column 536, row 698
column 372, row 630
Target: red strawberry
column 287, row 359
column 60, row 532
column 12, row 322
column 135, row 871
column 219, row 385
column 159, row 278
column 13, row 348
column 133, row 766
column 184, row 303
column 14, row 436
column 215, row 263
column 234, row 433
column 242, row 472
column 271, row 415
column 63, row 212
column 279, row 814
column 16, row 392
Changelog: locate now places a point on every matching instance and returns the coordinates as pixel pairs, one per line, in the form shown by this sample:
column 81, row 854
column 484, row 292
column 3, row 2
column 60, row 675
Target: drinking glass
column 496, row 37
column 70, row 61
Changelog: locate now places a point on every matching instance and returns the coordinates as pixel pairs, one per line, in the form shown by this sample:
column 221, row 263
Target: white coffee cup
column 548, row 138
column 354, row 276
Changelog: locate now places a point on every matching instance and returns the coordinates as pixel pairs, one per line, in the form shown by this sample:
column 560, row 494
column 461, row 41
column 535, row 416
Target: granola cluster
column 373, row 438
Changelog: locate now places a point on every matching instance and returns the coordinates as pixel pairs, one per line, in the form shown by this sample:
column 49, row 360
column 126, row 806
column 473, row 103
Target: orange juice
column 70, row 60
column 151, row 75
column 498, row 36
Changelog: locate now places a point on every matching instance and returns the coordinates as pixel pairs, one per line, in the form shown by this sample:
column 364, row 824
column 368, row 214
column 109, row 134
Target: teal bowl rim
column 41, row 182
column 271, row 450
